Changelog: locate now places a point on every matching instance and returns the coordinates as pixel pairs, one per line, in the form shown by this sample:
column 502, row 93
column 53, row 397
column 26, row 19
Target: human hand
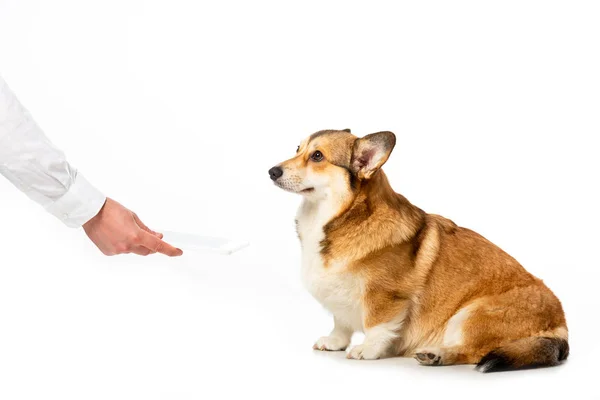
column 117, row 230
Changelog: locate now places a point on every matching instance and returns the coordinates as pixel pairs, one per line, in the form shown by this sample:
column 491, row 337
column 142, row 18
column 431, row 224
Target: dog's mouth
column 293, row 188
column 292, row 183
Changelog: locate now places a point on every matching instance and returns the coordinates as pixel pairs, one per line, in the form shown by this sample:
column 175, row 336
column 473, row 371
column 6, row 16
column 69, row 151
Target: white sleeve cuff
column 80, row 204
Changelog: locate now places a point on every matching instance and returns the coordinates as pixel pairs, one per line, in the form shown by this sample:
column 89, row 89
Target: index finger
column 157, row 245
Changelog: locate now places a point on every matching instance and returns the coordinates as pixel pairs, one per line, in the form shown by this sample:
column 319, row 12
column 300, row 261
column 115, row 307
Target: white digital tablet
column 192, row 242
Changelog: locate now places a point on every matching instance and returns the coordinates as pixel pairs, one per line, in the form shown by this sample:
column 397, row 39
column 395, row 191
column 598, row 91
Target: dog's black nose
column 275, row 173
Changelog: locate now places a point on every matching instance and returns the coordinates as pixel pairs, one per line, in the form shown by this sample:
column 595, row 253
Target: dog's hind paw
column 428, row 357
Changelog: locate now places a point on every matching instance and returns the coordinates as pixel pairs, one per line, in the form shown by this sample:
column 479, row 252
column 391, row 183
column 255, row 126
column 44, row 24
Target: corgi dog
column 415, row 283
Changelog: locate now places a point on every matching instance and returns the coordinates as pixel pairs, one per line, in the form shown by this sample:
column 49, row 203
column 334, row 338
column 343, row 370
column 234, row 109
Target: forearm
column 40, row 170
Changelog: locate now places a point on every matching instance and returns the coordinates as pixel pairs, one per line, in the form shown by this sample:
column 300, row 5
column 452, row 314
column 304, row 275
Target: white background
column 177, row 109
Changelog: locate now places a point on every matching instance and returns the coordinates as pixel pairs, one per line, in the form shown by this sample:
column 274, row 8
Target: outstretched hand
column 118, row 230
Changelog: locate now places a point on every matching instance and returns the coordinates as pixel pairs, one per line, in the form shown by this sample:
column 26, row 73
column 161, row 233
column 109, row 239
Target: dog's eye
column 298, row 149
column 317, row 156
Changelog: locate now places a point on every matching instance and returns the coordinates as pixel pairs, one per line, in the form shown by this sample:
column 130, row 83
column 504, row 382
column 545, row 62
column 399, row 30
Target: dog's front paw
column 362, row 352
column 331, row 343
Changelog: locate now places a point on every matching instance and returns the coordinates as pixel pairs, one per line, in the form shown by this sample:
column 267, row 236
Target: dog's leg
column 377, row 343
column 338, row 339
column 383, row 315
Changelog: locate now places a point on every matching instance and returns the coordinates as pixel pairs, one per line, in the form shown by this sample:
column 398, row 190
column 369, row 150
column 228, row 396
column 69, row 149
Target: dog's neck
column 375, row 217
column 318, row 211
column 373, row 210
column 376, row 194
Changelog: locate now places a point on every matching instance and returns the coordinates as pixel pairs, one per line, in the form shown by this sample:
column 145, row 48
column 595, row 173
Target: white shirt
column 34, row 165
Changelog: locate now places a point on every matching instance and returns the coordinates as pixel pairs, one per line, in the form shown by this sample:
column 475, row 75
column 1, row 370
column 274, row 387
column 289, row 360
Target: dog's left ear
column 371, row 152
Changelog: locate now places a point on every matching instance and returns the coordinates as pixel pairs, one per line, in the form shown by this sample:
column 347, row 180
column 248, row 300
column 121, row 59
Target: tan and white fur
column 415, row 283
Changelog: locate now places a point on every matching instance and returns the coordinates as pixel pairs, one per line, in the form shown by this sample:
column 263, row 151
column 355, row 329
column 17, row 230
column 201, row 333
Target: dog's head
column 333, row 161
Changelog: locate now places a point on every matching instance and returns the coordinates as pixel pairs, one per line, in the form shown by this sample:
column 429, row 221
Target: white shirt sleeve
column 34, row 165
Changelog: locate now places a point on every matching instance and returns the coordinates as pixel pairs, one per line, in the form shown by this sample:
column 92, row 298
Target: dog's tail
column 529, row 352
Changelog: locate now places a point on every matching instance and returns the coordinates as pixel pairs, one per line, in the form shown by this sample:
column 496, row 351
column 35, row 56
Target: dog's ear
column 371, row 152
column 346, row 130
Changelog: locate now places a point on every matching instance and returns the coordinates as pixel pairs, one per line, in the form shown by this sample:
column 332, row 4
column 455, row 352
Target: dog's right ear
column 371, row 152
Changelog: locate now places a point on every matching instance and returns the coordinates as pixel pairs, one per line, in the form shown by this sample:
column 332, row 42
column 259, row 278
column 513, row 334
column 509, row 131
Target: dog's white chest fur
column 336, row 289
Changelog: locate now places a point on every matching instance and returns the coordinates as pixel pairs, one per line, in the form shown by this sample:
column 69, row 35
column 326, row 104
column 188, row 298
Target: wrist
column 97, row 217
